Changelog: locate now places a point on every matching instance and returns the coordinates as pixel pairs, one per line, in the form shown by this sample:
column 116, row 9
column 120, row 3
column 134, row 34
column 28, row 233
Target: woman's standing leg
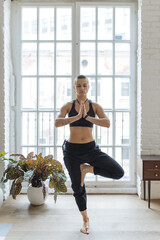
column 74, row 171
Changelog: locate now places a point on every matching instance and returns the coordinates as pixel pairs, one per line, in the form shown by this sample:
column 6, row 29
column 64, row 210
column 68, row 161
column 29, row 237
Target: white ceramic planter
column 1, row 197
column 35, row 195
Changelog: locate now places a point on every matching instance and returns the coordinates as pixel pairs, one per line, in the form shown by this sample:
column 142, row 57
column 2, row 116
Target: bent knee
column 119, row 175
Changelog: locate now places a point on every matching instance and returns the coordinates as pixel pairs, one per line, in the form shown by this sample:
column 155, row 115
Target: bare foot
column 85, row 227
column 84, row 169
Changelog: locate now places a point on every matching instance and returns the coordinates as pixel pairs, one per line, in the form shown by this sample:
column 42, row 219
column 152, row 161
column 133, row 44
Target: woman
column 81, row 147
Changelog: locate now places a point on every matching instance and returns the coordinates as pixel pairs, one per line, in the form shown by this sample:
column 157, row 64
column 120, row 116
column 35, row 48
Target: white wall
column 150, row 77
column 5, row 82
column 148, row 101
column 2, row 132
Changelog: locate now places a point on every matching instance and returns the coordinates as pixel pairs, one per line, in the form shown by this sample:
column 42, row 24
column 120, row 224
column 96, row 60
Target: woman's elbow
column 56, row 123
column 108, row 123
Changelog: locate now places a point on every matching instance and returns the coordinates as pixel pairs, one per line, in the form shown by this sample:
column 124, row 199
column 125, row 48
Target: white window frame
column 104, row 186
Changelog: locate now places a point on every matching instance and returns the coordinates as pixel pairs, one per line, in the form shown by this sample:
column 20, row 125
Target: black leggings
column 78, row 153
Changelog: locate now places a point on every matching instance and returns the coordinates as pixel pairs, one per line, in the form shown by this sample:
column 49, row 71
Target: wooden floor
column 112, row 217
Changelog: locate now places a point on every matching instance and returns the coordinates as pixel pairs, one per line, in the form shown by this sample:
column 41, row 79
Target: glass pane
column 46, row 151
column 104, row 135
column 29, row 23
column 29, row 128
column 46, row 93
column 105, row 23
column 92, row 90
column 62, row 133
column 90, row 177
column 63, row 92
column 26, row 150
column 122, row 93
column 104, row 92
column 59, row 157
column 122, row 128
column 87, row 58
column 46, row 23
column 29, row 59
column 123, row 158
column 64, row 23
column 105, row 58
column 122, row 23
column 46, row 58
column 122, row 59
column 46, row 128
column 29, row 93
column 87, row 23
column 64, row 59
column 107, row 150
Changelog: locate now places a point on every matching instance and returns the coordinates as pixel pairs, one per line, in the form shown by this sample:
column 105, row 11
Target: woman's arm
column 62, row 121
column 102, row 121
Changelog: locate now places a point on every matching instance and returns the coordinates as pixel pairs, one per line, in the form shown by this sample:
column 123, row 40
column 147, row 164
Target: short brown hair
column 80, row 77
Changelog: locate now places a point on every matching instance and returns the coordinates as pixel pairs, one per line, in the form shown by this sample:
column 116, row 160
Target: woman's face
column 81, row 87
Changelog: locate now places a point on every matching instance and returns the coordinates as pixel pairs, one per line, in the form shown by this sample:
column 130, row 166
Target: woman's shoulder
column 68, row 105
column 95, row 106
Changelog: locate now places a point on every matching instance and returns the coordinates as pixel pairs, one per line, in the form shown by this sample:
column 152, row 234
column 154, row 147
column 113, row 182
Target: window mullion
column 78, row 41
column 113, row 87
column 74, row 49
column 96, row 72
column 37, row 77
column 55, row 80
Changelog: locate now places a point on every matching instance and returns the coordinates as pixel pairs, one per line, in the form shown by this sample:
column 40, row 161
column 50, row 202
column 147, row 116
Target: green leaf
column 28, row 175
column 2, row 154
column 62, row 176
column 14, row 173
column 12, row 191
column 2, row 179
column 12, row 160
column 55, row 196
column 44, row 190
column 18, row 187
column 59, row 176
column 51, row 183
column 5, row 180
column 62, row 186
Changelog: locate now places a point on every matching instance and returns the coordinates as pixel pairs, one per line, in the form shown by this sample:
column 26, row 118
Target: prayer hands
column 82, row 110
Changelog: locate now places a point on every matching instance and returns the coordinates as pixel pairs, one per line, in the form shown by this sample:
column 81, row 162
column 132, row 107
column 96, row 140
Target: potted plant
column 35, row 170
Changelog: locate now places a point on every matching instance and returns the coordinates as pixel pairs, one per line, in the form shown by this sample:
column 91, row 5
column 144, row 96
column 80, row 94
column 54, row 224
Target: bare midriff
column 80, row 135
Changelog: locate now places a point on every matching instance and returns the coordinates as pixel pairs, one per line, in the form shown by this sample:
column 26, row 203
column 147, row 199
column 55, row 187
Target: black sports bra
column 81, row 122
